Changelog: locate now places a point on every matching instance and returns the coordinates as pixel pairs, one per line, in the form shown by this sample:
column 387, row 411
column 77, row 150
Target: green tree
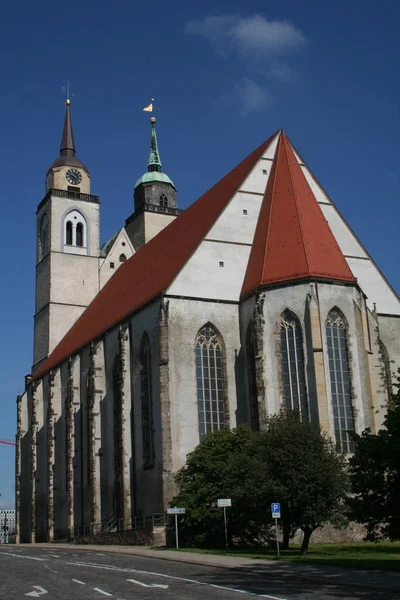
column 224, row 465
column 308, row 477
column 290, row 462
column 375, row 477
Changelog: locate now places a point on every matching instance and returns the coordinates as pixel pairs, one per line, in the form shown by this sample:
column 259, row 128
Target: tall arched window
column 75, row 230
column 339, row 370
column 68, row 233
column 211, row 400
column 44, row 237
column 386, row 372
column 292, row 357
column 118, row 445
column 251, row 353
column 147, row 403
column 79, row 234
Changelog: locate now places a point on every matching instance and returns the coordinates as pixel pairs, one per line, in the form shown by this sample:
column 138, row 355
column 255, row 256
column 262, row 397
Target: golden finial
column 65, row 91
column 153, row 120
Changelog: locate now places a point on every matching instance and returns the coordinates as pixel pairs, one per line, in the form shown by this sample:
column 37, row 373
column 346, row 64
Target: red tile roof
column 293, row 239
column 152, row 269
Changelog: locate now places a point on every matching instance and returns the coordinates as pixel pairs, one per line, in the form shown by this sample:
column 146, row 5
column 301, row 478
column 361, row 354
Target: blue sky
column 226, row 75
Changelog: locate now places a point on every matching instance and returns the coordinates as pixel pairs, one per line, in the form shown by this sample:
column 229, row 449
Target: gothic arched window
column 163, row 201
column 75, row 230
column 386, row 372
column 79, row 234
column 118, row 443
column 339, row 370
column 251, row 352
column 68, row 233
column 211, row 400
column 293, row 373
column 44, row 237
column 147, row 402
column 122, row 258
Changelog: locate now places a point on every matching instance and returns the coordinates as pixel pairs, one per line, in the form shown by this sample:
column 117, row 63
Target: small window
column 123, row 243
column 68, row 238
column 122, row 258
column 221, row 263
column 265, row 172
column 163, row 201
column 112, row 265
column 245, row 211
column 79, row 234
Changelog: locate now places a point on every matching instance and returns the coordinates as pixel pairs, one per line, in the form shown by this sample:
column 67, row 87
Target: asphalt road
column 60, row 574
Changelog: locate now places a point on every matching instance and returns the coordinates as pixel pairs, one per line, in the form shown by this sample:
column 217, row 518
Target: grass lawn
column 361, row 555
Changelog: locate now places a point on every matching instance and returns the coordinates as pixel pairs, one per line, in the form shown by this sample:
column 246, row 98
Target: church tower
column 155, row 199
column 67, row 248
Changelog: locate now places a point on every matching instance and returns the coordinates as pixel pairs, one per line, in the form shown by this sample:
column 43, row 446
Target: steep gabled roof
column 293, row 239
column 152, row 269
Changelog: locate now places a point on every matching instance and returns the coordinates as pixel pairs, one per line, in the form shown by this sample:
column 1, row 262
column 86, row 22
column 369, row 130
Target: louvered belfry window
column 147, row 403
column 210, row 381
column 293, row 373
column 336, row 336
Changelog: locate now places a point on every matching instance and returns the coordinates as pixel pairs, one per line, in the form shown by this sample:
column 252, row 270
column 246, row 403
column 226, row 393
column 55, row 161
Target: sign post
column 276, row 514
column 176, row 512
column 223, row 503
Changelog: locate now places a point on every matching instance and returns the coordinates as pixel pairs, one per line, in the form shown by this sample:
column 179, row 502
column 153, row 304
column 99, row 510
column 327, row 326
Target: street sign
column 176, row 511
column 224, row 502
column 276, row 510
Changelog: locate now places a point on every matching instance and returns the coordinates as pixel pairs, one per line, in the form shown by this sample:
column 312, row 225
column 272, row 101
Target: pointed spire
column 154, row 163
column 293, row 239
column 67, row 142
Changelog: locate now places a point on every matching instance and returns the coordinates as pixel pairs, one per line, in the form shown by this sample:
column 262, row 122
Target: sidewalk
column 381, row 580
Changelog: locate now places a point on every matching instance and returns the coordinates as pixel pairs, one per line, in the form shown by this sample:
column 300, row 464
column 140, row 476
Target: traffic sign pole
column 176, row 532
column 226, row 528
column 277, row 536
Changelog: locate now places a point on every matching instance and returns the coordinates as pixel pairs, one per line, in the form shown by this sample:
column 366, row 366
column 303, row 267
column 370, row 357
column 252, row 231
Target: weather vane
column 151, row 107
column 65, row 91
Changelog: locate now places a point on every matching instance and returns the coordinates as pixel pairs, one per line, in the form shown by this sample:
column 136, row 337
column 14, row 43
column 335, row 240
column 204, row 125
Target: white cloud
column 260, row 45
column 253, row 35
column 252, row 96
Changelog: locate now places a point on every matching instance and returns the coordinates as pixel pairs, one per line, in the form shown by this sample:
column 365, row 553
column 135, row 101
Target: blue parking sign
column 276, row 510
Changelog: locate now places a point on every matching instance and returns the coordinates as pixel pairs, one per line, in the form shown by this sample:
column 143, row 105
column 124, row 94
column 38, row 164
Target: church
column 257, row 298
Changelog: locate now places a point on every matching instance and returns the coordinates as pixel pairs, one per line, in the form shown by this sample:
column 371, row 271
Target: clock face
column 73, row 176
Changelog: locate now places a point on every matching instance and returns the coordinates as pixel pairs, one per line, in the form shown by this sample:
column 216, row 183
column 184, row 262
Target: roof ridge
column 296, row 202
column 273, row 172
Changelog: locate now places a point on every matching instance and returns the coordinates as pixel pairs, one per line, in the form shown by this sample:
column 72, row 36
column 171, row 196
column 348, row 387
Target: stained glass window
column 252, row 378
column 336, row 336
column 210, row 381
column 147, row 403
column 293, row 375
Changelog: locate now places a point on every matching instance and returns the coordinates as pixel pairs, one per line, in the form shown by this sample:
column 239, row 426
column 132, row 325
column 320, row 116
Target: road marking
column 149, row 585
column 39, row 593
column 22, row 556
column 141, row 572
column 77, row 581
column 55, row 555
column 102, row 592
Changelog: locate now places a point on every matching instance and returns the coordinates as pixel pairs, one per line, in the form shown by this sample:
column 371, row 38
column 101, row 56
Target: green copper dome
column 154, row 167
column 154, row 176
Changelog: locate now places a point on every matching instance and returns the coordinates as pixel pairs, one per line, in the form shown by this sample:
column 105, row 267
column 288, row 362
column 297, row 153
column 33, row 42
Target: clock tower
column 67, row 248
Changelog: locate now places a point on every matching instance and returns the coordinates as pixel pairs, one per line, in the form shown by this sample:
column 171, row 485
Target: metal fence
column 114, row 525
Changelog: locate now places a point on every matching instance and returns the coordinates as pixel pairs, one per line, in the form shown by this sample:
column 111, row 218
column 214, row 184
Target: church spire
column 154, row 163
column 67, row 142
